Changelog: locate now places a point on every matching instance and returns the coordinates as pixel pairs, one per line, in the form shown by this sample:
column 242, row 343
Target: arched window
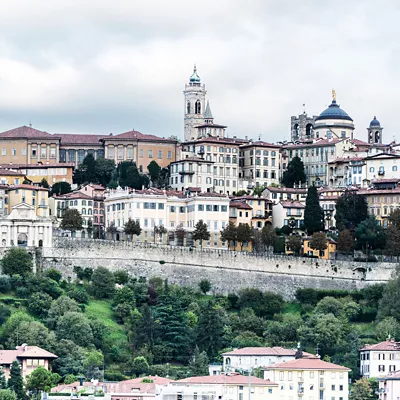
column 208, row 181
column 188, row 107
column 296, row 131
column 83, row 211
column 228, row 361
column 198, row 107
column 84, row 202
column 75, row 202
column 90, row 211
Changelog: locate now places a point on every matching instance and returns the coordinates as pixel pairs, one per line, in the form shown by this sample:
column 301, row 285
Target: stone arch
column 188, row 107
column 4, row 242
column 377, row 137
column 309, row 130
column 22, row 240
column 198, row 107
column 40, row 243
column 296, row 131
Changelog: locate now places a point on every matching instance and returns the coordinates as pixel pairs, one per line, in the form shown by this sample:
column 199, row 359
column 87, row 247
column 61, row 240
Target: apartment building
column 251, row 210
column 378, row 360
column 382, row 166
column 289, row 213
column 277, row 194
column 309, row 378
column 11, row 177
column 170, row 209
column 231, row 386
column 260, row 163
column 35, row 196
column 222, row 176
column 248, row 358
column 389, row 386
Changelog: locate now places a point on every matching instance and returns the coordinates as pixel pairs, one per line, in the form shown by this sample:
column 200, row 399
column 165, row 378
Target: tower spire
column 194, row 79
column 209, row 119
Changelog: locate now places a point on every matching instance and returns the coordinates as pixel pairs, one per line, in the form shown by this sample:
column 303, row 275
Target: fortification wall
column 227, row 271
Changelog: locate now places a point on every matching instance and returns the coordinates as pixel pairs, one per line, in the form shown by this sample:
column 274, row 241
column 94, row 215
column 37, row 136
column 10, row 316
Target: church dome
column 194, row 78
column 334, row 112
column 375, row 123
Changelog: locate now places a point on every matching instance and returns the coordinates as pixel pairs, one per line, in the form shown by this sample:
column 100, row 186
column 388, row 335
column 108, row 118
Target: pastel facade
column 35, row 196
column 327, row 254
column 260, row 163
column 29, row 358
column 378, row 360
column 248, row 358
column 285, row 212
column 309, row 378
column 389, row 387
column 170, row 209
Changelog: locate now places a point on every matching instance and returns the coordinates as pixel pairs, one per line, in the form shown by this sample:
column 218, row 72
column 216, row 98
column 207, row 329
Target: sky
column 85, row 66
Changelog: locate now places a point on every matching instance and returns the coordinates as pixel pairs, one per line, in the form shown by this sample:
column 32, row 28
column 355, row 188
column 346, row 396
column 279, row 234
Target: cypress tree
column 313, row 213
column 15, row 382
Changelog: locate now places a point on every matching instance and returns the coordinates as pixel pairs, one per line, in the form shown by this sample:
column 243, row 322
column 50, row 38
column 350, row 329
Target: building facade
column 378, row 360
column 309, row 378
column 289, row 213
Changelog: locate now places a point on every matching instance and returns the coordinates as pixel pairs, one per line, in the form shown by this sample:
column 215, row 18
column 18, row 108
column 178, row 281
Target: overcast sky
column 101, row 66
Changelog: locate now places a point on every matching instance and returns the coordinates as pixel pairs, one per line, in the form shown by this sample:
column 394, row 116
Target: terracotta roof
column 317, row 143
column 346, row 159
column 286, row 190
column 261, row 351
column 388, row 180
column 24, row 351
column 307, row 363
column 97, row 187
column 194, row 189
column 367, row 192
column 213, row 139
column 76, row 138
column 135, row 135
column 240, row 205
column 234, row 379
column 292, row 204
column 28, row 187
column 249, row 197
column 359, row 142
column 10, row 172
column 387, row 345
column 260, row 143
column 73, row 195
column 26, row 132
column 157, row 380
column 34, row 166
column 392, row 376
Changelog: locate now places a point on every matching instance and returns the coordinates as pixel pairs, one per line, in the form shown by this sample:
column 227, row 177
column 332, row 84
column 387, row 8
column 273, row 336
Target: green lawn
column 101, row 309
column 367, row 329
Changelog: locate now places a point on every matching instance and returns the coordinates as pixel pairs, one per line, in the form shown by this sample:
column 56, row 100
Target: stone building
column 302, row 127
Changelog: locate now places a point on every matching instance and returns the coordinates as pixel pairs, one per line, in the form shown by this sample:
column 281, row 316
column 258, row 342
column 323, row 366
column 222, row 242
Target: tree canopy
column 72, row 220
column 201, row 232
column 294, row 173
column 17, row 261
column 313, row 213
column 351, row 210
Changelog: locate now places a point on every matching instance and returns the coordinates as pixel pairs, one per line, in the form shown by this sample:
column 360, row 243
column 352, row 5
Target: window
column 43, row 152
column 159, row 154
column 169, row 155
column 372, row 169
column 141, row 153
column 14, row 152
column 23, row 151
column 3, row 152
column 172, row 208
column 182, row 210
column 394, row 168
column 120, row 152
column 150, row 153
column 52, row 152
column 200, row 207
column 161, row 206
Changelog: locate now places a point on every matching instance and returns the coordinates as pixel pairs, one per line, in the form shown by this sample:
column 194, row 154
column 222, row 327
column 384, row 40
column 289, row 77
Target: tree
column 103, row 283
column 44, row 184
column 180, row 234
column 154, row 171
column 370, row 235
column 134, row 179
column 140, row 365
column 60, row 307
column 41, row 380
column 17, row 261
column 75, row 326
column 244, row 234
column 205, row 285
column 229, row 233
column 15, row 382
column 392, row 241
column 345, row 242
column 121, row 277
column 103, row 170
column 132, row 227
column 329, row 305
column 3, row 382
column 389, row 327
column 70, row 358
column 7, row 394
column 361, row 390
column 268, row 235
column 199, row 363
column 112, row 229
column 351, row 210
column 313, row 213
column 72, row 220
column 294, row 173
column 160, row 231
column 122, row 171
column 54, row 274
column 40, row 304
column 294, row 243
column 319, row 241
column 92, row 363
column 201, row 232
column 60, row 188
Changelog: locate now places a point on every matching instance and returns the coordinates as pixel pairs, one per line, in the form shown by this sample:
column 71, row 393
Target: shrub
column 5, row 283
column 79, row 295
column 54, row 274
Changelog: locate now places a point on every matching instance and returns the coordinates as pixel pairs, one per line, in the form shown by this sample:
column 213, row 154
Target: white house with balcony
column 382, row 166
column 288, row 213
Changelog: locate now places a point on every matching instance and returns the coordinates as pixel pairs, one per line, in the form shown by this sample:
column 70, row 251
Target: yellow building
column 309, row 378
column 11, row 177
column 326, row 254
column 35, row 196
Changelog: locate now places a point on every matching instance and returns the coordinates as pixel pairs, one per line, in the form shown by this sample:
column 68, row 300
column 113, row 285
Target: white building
column 22, row 227
column 287, row 213
column 170, row 209
column 389, row 387
column 226, row 386
column 378, row 360
column 382, row 166
column 255, row 357
column 309, row 378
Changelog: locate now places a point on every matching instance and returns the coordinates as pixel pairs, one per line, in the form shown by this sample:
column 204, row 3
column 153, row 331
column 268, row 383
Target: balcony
column 186, row 172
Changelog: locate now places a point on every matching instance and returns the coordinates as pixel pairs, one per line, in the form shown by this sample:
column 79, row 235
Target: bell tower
column 375, row 132
column 195, row 97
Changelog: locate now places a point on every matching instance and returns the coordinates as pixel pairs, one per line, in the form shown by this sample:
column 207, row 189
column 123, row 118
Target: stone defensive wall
column 228, row 271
